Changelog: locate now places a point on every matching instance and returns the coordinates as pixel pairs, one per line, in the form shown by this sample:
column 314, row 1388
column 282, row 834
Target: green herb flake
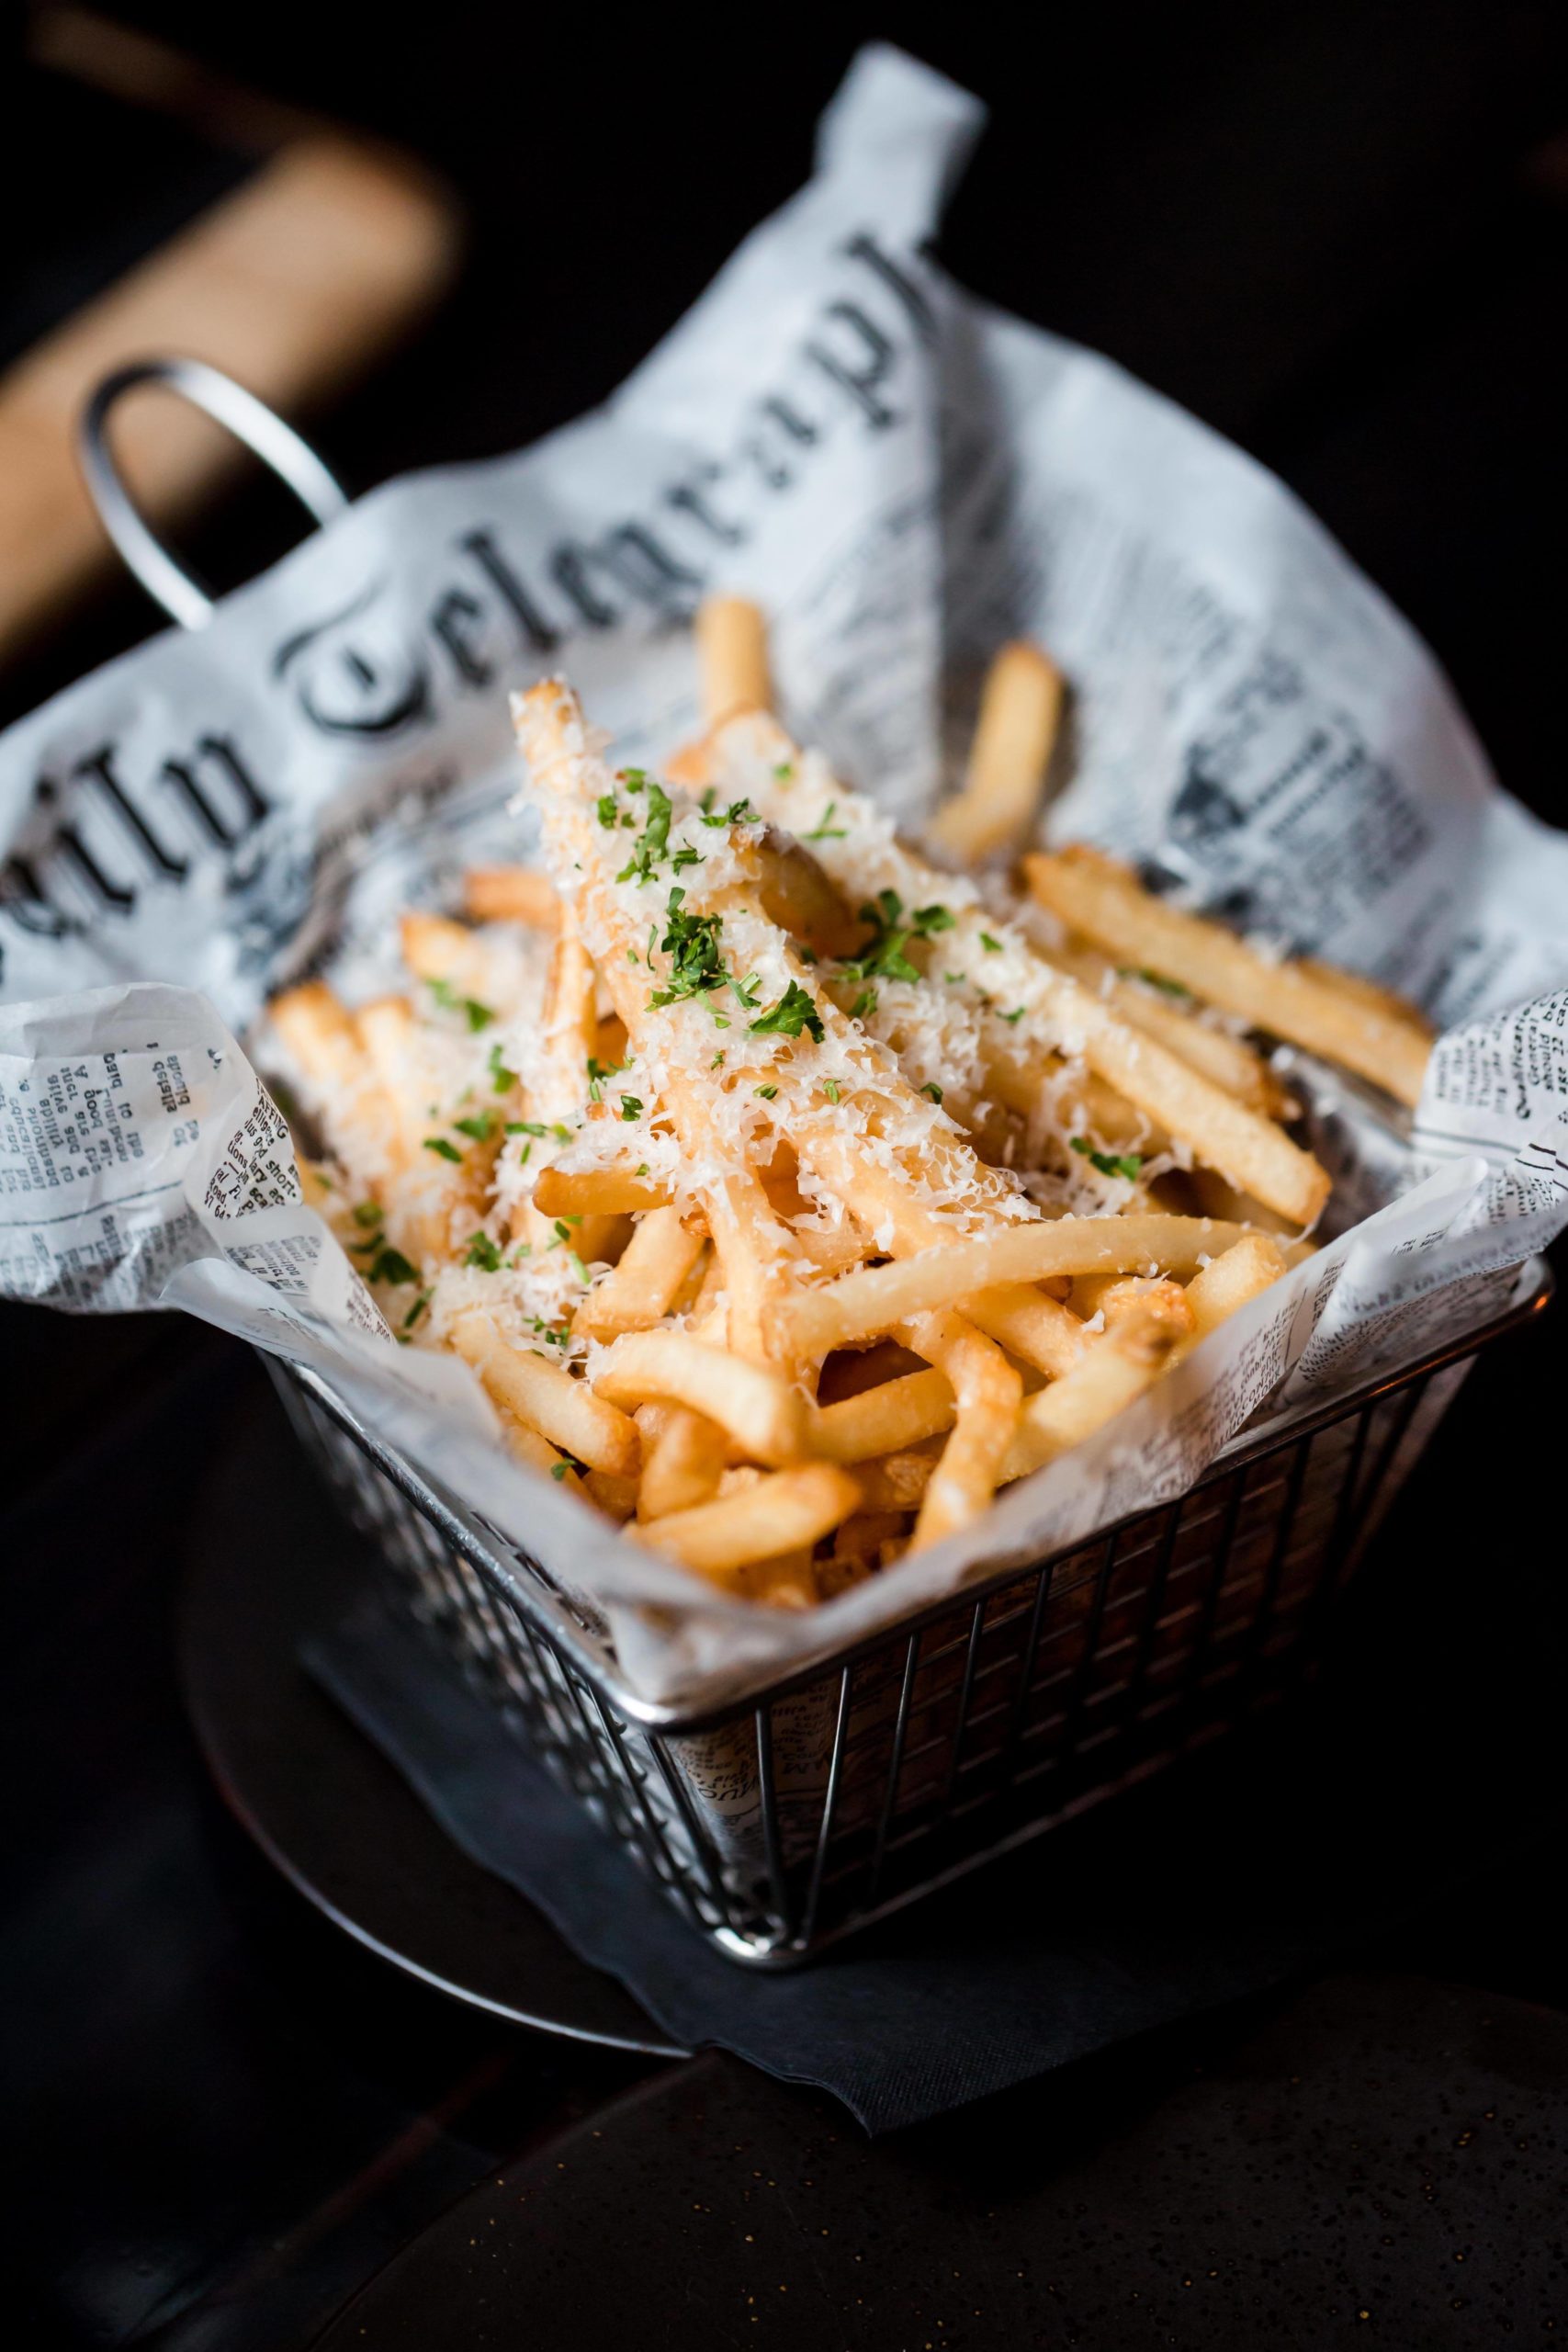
column 1128, row 1165
column 784, row 769
column 558, row 1470
column 864, row 1004
column 767, row 1093
column 609, row 815
column 1014, row 1017
column 794, row 1013
column 932, row 1089
column 443, row 1149
column 826, row 831
column 478, row 1016
column 479, row 1127
column 830, row 1089
column 392, row 1266
column 484, row 1253
column 367, row 1213
column 502, row 1079
column 992, row 946
column 631, row 1108
column 740, row 812
column 654, row 839
column 416, row 1310
column 691, row 942
column 1152, row 979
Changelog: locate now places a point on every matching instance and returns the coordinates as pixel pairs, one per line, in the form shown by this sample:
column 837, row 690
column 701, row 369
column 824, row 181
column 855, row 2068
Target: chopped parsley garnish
column 483, row 1252
column 631, row 1107
column 826, row 831
column 932, row 1089
column 746, row 991
column 830, row 1089
column 504, row 1080
column 685, row 857
column 865, row 1002
column 558, row 1470
column 740, row 812
column 563, row 1230
column 442, row 1149
column 479, row 1127
column 634, row 778
column 793, row 1011
column 1128, row 1165
column 883, row 957
column 718, row 1061
column 480, row 1016
column 598, row 1072
column 691, row 942
column 609, row 815
column 992, row 946
column 1154, row 980
column 416, row 1310
column 654, row 839
column 524, row 1128
column 1014, row 1017
column 391, row 1266
column 767, row 1093
column 784, row 769
column 367, row 1213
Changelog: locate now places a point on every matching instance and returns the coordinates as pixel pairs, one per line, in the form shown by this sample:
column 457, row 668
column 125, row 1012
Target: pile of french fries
column 789, row 1188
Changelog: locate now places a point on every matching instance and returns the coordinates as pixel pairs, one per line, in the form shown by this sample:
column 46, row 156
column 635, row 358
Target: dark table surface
column 1337, row 234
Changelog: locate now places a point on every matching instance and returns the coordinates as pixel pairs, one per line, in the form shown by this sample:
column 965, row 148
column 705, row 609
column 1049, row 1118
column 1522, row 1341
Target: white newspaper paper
column 904, row 478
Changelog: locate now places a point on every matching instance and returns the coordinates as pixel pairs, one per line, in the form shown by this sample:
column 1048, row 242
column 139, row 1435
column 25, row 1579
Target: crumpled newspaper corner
column 904, row 478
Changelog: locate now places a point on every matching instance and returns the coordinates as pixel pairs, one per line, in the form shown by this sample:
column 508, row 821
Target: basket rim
column 529, row 1590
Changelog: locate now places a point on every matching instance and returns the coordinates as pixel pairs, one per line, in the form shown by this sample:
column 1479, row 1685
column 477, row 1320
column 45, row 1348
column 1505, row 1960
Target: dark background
column 1335, row 232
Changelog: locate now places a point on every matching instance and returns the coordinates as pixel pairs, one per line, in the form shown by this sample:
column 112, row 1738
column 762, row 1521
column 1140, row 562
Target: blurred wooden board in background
column 294, row 281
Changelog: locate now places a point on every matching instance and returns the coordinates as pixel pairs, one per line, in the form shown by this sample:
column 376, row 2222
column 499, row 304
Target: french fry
column 1109, row 1377
column 320, row 1034
column 435, row 1199
column 1227, row 1281
column 894, row 1482
column 511, row 894
column 682, row 1464
column 761, row 1412
column 987, row 1391
column 1118, row 1297
column 1020, row 710
column 779, row 1514
column 885, row 1420
column 546, row 1398
column 526, row 1445
column 876, row 1299
column 437, row 950
column 1230, row 1061
column 644, row 1283
column 597, row 1191
column 1101, row 899
column 1038, row 1330
column 752, row 752
column 732, row 654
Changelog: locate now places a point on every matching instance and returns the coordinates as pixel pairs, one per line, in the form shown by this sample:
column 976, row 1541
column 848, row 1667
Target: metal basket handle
column 168, row 581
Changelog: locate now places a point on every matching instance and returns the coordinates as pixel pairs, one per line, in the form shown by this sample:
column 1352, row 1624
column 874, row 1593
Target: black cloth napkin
column 1231, row 1872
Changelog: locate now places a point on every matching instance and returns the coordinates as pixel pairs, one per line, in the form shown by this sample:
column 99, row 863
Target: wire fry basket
column 811, row 1806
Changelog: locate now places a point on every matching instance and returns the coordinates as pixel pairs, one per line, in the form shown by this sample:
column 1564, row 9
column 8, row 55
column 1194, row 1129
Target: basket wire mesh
column 783, row 1821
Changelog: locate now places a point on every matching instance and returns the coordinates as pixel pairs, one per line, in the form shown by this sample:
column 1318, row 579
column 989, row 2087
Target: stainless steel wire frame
column 808, row 1807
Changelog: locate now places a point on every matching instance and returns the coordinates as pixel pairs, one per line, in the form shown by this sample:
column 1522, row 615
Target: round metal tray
column 272, row 1563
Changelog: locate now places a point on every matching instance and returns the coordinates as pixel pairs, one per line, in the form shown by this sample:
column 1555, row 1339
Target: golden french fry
column 1118, row 1297
column 437, row 949
column 1020, row 710
column 1227, row 1281
column 548, row 1399
column 642, row 1288
column 732, row 652
column 683, row 1462
column 894, row 1482
column 1107, row 1378
column 320, row 1034
column 597, row 1191
column 1094, row 895
column 781, row 1513
column 884, row 1419
column 1036, row 1330
column 987, row 1391
column 763, row 1414
column 1230, row 1061
column 511, row 894
column 526, row 1445
column 876, row 1298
